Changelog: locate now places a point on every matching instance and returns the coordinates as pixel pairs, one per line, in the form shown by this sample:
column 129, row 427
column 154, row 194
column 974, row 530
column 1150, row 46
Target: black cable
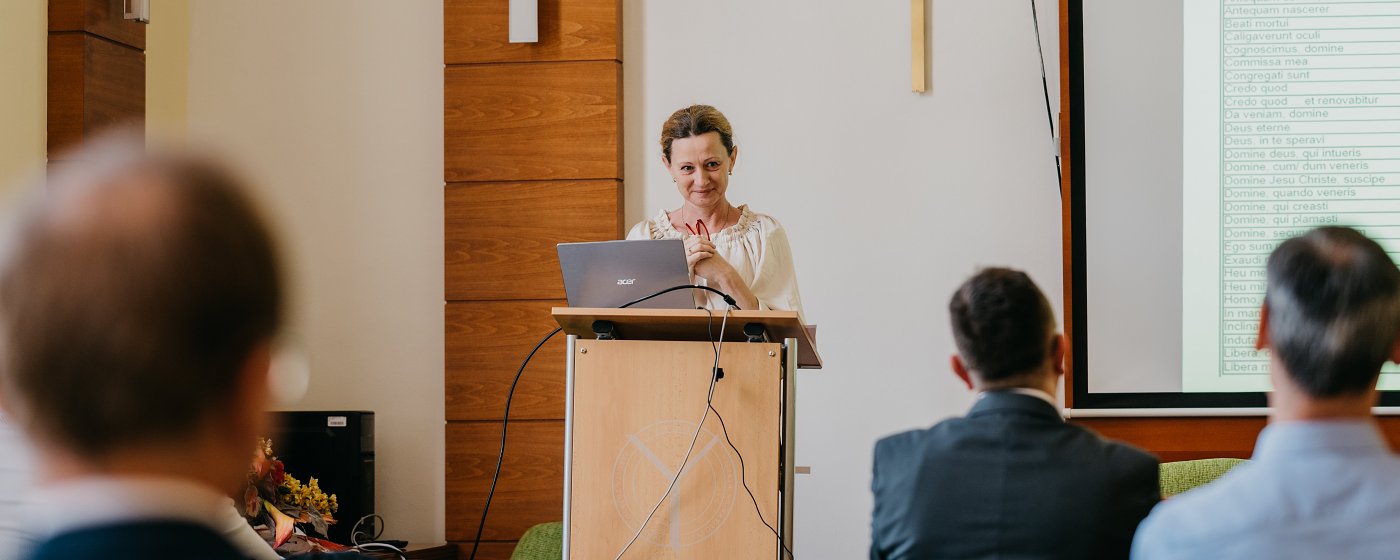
column 727, row 298
column 710, row 333
column 505, row 422
column 1045, row 87
column 743, row 478
column 377, row 529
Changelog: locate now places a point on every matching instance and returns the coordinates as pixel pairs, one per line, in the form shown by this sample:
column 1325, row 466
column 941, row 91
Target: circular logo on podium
column 703, row 497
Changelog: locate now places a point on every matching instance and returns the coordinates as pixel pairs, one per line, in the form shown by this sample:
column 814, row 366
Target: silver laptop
column 612, row 273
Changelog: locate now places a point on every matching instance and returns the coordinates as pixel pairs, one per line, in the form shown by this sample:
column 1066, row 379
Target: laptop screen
column 613, row 273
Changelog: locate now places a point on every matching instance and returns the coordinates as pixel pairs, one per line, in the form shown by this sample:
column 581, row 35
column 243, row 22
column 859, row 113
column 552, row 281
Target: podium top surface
column 692, row 325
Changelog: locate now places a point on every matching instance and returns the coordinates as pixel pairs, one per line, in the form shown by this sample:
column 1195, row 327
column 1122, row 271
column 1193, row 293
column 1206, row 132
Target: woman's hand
column 706, row 263
column 703, row 261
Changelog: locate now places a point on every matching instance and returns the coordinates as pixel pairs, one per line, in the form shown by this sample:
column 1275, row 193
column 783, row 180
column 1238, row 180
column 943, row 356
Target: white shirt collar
column 1037, row 393
column 104, row 500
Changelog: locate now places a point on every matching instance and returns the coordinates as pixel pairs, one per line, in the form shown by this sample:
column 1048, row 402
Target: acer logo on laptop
column 611, row 273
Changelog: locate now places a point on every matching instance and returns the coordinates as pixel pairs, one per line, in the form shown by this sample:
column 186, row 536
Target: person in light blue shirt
column 1323, row 483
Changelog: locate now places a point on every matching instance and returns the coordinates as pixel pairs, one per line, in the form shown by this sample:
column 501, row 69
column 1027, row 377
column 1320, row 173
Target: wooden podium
column 632, row 407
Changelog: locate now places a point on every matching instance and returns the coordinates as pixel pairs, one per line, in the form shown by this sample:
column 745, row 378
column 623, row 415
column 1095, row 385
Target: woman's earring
column 731, row 172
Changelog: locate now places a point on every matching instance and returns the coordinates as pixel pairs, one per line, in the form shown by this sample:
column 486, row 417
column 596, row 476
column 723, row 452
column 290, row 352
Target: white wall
column 24, row 31
column 168, row 69
column 891, row 198
column 23, row 133
column 334, row 109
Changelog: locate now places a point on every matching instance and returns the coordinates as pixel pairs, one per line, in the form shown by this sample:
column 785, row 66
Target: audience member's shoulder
column 1159, row 536
column 1210, row 509
column 1115, row 450
column 1169, row 531
column 904, row 441
column 1130, row 454
column 895, row 442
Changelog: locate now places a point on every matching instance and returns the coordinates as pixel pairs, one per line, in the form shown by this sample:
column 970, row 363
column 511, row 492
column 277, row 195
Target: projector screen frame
column 1072, row 152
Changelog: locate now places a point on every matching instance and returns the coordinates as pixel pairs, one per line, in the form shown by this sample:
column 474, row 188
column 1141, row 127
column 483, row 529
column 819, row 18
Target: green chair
column 1180, row 476
column 541, row 542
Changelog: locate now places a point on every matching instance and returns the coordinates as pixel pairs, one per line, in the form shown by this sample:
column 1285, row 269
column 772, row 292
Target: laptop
column 612, row 273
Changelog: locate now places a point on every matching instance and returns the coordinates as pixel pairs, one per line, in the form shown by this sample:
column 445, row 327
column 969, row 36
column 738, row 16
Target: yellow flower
column 309, row 495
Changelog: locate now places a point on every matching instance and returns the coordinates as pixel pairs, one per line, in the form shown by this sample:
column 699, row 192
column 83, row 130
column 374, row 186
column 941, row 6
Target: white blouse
column 756, row 246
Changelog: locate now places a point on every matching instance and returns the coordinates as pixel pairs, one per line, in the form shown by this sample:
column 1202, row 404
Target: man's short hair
column 1334, row 310
column 1002, row 324
column 133, row 292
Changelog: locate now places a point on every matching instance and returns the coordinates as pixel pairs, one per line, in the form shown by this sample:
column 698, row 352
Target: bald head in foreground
column 1322, row 482
column 139, row 296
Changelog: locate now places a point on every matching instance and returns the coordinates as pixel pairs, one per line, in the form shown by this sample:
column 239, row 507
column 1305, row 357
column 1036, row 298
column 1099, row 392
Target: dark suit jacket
column 1011, row 480
column 149, row 540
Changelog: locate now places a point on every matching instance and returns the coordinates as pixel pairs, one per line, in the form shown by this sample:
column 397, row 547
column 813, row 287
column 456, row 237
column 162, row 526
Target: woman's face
column 700, row 167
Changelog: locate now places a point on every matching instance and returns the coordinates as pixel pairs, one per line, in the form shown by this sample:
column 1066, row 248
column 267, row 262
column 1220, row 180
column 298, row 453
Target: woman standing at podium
column 732, row 249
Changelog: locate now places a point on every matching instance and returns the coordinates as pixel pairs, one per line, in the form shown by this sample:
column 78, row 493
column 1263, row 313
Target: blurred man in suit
column 1011, row 479
column 139, row 296
column 1322, row 482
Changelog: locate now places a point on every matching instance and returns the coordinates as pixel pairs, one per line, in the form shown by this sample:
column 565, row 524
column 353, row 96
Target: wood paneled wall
column 1183, row 439
column 97, row 70
column 533, row 157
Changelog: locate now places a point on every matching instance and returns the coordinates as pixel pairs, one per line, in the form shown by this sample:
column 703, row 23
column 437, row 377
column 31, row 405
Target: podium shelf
column 690, row 325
